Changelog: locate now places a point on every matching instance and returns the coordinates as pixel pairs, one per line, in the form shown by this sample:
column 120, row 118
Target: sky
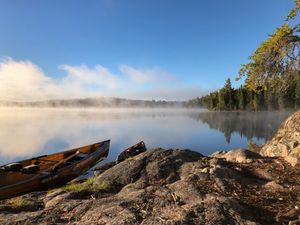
column 158, row 49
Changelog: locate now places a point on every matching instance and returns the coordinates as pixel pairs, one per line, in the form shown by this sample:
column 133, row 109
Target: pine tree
column 221, row 100
column 240, row 99
column 297, row 93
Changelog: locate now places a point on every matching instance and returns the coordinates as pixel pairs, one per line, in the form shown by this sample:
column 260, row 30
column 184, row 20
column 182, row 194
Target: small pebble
column 205, row 170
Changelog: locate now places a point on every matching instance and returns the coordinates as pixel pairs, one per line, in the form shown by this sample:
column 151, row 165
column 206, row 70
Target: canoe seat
column 13, row 167
column 77, row 157
column 30, row 169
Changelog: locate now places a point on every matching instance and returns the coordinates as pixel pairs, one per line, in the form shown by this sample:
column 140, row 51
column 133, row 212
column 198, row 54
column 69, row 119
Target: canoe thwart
column 13, row 167
column 30, row 169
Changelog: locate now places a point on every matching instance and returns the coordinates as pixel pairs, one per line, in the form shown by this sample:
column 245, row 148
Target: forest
column 228, row 98
column 271, row 77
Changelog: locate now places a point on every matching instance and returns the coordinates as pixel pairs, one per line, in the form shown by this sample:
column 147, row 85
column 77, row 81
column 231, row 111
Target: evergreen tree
column 297, row 93
column 221, row 100
column 228, row 94
column 240, row 99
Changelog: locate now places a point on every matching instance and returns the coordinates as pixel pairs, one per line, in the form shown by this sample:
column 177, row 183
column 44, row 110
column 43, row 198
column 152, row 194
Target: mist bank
column 101, row 102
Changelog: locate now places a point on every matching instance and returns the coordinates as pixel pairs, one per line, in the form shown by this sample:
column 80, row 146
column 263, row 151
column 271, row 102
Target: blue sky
column 164, row 49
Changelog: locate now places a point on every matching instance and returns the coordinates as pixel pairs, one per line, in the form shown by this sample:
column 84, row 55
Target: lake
column 29, row 132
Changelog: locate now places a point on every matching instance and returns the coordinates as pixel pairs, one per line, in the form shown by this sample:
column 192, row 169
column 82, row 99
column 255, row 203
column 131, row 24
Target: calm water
column 26, row 133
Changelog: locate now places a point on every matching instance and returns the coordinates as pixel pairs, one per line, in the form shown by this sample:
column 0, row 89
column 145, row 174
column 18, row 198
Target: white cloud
column 154, row 75
column 25, row 81
column 81, row 75
column 136, row 75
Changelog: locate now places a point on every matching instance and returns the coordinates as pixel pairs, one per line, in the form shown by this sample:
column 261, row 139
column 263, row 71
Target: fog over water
column 28, row 132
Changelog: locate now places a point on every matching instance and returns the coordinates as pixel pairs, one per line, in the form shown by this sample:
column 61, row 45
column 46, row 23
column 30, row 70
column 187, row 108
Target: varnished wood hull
column 46, row 178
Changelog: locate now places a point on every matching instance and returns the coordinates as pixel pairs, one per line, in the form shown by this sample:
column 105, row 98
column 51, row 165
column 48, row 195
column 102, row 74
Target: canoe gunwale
column 70, row 170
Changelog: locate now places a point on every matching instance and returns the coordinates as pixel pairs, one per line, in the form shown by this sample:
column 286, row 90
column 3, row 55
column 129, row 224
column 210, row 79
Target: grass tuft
column 100, row 187
column 20, row 202
column 89, row 186
column 74, row 187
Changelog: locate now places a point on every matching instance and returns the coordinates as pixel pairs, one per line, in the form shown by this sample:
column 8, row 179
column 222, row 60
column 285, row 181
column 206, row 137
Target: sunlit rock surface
column 237, row 155
column 286, row 142
column 175, row 187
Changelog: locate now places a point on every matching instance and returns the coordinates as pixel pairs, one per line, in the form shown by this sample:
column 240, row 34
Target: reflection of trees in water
column 260, row 125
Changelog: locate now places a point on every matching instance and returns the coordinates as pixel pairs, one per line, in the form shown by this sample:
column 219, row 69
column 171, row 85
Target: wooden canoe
column 127, row 153
column 49, row 171
column 131, row 151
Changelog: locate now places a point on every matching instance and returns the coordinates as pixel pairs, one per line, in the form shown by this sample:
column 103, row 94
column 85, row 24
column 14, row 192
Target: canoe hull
column 49, row 180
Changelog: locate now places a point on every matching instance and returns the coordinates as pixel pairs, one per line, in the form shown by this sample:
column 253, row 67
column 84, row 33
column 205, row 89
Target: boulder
column 286, row 141
column 156, row 165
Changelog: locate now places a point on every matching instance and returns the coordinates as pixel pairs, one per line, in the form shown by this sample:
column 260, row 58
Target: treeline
column 228, row 98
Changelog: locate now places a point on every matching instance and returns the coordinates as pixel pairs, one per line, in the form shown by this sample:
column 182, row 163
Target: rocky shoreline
column 177, row 187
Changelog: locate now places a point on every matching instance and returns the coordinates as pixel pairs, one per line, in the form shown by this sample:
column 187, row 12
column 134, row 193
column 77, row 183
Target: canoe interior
column 47, row 163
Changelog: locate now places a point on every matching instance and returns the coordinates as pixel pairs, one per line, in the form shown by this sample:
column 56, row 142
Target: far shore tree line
column 228, row 98
column 272, row 74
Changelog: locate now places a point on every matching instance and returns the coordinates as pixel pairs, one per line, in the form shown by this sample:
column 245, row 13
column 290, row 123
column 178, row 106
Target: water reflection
column 252, row 125
column 26, row 133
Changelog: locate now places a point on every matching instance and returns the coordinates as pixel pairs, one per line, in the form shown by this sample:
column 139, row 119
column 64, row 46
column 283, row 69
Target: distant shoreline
column 101, row 102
